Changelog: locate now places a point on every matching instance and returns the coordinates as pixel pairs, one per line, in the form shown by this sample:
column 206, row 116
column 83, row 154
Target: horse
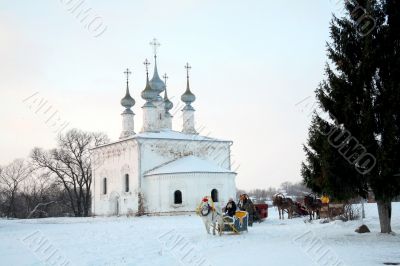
column 283, row 203
column 210, row 216
column 313, row 205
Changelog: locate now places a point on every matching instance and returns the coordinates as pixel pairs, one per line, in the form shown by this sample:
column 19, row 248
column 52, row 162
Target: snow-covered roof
column 188, row 164
column 171, row 134
column 167, row 135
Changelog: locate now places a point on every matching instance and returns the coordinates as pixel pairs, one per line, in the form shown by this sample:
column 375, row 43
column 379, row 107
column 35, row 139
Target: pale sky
column 252, row 61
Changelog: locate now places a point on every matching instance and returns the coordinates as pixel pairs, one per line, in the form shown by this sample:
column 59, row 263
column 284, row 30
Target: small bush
column 351, row 212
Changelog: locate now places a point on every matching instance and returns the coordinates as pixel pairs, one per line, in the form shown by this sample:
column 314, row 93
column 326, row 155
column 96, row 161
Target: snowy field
column 182, row 240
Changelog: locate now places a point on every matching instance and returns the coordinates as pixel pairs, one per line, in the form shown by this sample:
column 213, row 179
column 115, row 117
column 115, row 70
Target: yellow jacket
column 325, row 199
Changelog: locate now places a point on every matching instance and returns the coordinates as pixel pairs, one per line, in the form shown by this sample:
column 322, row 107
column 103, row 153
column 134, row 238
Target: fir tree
column 359, row 145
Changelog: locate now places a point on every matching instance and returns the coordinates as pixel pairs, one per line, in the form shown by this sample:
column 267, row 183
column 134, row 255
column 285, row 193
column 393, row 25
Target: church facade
column 160, row 170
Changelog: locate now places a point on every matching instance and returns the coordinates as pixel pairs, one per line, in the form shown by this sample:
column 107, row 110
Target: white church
column 159, row 170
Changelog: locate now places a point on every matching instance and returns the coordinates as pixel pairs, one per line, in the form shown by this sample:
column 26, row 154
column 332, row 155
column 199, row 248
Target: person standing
column 247, row 205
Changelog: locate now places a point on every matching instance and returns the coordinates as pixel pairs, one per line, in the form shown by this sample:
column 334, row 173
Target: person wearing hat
column 230, row 208
column 247, row 205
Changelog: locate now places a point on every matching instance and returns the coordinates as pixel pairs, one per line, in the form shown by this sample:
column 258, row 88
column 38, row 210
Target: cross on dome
column 187, row 67
column 188, row 97
column 127, row 73
column 148, row 93
column 165, row 78
column 155, row 45
column 146, row 63
column 167, row 103
column 156, row 83
column 127, row 101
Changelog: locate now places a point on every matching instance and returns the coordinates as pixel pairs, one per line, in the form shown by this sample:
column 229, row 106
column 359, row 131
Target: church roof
column 165, row 134
column 188, row 164
column 174, row 135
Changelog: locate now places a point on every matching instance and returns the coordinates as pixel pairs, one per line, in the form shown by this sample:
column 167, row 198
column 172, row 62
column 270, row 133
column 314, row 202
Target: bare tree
column 240, row 192
column 295, row 189
column 11, row 177
column 36, row 192
column 70, row 163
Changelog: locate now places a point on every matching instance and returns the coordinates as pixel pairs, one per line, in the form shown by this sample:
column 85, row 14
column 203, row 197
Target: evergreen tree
column 358, row 145
column 327, row 171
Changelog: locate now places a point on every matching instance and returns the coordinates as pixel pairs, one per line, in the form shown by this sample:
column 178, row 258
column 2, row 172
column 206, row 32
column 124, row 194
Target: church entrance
column 114, row 204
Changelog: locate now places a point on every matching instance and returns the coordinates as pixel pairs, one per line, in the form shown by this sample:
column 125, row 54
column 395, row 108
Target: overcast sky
column 252, row 61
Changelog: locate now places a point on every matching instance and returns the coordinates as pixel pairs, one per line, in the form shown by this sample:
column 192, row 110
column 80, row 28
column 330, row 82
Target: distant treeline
column 296, row 190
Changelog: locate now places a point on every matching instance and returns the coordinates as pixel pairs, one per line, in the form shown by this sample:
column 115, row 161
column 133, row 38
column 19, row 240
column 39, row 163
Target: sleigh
column 261, row 212
column 331, row 210
column 236, row 224
column 299, row 209
column 218, row 222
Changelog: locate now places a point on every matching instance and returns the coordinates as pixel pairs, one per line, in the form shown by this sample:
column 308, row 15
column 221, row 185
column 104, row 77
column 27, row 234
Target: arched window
column 214, row 195
column 126, row 183
column 178, row 197
column 105, row 185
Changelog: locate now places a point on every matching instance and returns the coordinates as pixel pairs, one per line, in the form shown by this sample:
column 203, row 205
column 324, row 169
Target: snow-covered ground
column 183, row 240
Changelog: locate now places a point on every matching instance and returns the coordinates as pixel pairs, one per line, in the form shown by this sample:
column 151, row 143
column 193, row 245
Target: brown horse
column 283, row 203
column 313, row 205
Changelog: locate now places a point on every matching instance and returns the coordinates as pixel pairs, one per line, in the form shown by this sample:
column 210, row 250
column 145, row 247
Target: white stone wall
column 128, row 126
column 160, row 114
column 167, row 122
column 113, row 162
column 160, row 190
column 157, row 152
column 149, row 118
column 188, row 122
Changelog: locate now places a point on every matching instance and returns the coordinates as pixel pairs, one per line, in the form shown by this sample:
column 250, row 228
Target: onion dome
column 156, row 83
column 167, row 103
column 148, row 93
column 127, row 101
column 188, row 97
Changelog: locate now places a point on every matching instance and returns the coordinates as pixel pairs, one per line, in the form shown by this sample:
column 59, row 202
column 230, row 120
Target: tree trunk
column 11, row 209
column 385, row 213
column 38, row 206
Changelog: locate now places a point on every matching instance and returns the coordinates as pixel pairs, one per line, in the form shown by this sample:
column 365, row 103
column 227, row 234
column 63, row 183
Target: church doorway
column 214, row 195
column 114, row 204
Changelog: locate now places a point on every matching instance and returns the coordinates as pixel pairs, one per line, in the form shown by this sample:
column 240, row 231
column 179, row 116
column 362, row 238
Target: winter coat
column 248, row 206
column 230, row 208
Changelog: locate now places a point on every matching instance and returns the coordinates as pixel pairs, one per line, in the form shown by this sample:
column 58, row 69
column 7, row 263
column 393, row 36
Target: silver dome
column 156, row 83
column 168, row 104
column 148, row 93
column 188, row 97
column 127, row 101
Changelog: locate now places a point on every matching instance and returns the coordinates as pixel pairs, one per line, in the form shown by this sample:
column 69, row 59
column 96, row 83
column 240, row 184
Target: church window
column 214, row 195
column 126, row 183
column 105, row 185
column 178, row 197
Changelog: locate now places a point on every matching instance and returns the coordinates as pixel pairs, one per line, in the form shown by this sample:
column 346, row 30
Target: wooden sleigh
column 236, row 224
column 331, row 210
column 218, row 222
